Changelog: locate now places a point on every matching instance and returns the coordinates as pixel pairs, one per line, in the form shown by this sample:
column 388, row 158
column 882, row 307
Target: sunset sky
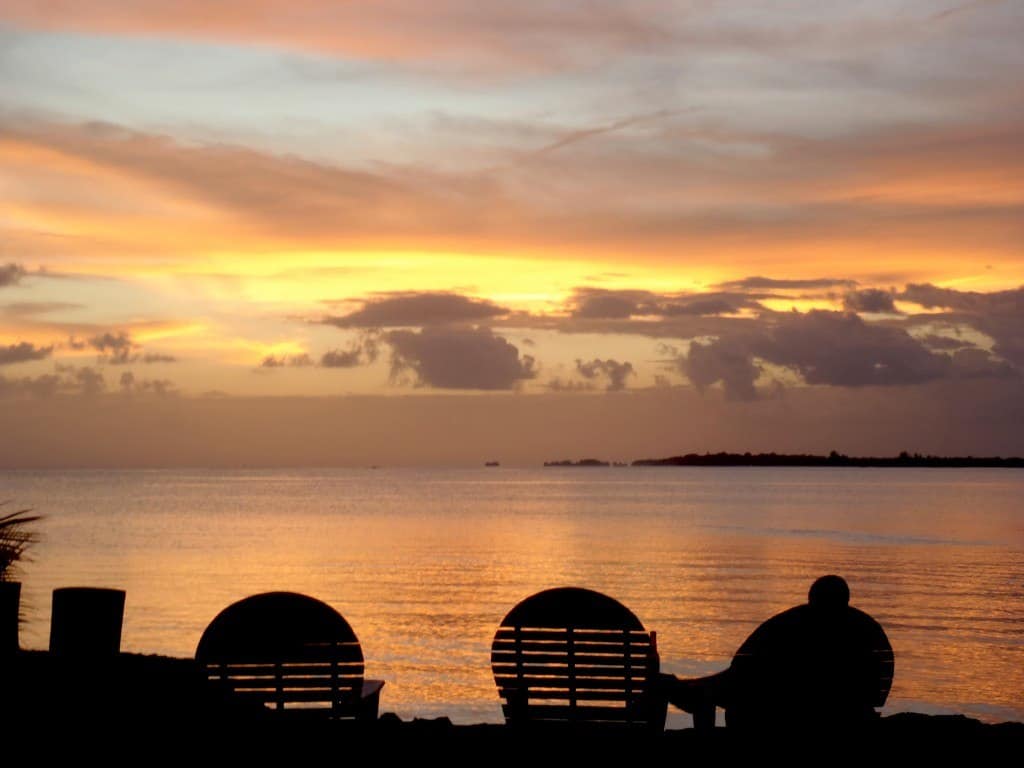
column 315, row 232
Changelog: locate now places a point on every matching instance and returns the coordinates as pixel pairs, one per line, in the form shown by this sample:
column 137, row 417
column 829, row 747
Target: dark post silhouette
column 10, row 601
column 86, row 621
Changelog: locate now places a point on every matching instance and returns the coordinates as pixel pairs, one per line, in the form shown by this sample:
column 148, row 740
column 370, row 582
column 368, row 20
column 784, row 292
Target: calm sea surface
column 425, row 563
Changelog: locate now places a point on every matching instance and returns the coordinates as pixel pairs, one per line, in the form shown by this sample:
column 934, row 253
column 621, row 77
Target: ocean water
column 425, row 563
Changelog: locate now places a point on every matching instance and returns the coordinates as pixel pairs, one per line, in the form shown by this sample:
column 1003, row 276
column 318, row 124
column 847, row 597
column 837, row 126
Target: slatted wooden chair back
column 285, row 651
column 572, row 655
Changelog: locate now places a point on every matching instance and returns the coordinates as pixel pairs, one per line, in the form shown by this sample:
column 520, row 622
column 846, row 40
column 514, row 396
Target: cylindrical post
column 86, row 621
column 10, row 600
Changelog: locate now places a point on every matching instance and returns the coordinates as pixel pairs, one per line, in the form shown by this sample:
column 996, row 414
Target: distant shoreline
column 833, row 459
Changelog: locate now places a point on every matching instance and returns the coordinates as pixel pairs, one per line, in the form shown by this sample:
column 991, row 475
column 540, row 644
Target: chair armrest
column 371, row 688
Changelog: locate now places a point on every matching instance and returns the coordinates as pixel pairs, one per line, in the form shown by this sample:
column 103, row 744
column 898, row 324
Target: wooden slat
column 510, row 657
column 578, row 695
column 348, row 669
column 534, row 646
column 581, row 636
column 342, row 652
column 296, row 682
column 567, row 683
column 562, row 670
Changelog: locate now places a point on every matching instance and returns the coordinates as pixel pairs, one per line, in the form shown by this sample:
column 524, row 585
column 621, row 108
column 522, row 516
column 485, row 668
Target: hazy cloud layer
column 458, row 358
column 23, row 352
column 772, row 201
column 80, row 381
column 951, row 417
column 759, row 283
column 418, row 309
column 537, row 36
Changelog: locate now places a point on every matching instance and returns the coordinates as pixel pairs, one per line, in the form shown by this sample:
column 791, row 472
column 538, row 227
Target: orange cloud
column 770, row 214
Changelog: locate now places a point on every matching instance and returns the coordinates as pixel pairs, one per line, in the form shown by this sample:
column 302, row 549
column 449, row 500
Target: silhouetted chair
column 823, row 664
column 577, row 657
column 288, row 655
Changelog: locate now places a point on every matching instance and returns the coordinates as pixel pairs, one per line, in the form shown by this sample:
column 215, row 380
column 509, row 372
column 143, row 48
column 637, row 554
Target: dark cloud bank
column 458, row 358
column 418, row 309
column 735, row 338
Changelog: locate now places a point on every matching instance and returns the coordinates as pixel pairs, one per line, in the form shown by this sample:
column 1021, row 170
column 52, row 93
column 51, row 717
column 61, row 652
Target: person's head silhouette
column 829, row 593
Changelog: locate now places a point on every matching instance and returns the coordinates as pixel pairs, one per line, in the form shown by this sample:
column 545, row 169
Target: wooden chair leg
column 368, row 707
column 704, row 717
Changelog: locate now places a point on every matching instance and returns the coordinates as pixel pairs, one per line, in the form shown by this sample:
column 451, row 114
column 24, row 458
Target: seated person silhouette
column 824, row 664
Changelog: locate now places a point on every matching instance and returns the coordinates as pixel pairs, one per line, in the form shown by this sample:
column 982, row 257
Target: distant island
column 834, row 459
column 580, row 463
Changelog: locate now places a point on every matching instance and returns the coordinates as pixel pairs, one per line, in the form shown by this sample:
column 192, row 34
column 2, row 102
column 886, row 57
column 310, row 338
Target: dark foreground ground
column 149, row 709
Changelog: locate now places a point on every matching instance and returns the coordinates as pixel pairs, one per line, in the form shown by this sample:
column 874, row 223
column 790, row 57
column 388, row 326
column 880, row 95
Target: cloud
column 23, row 352
column 116, row 348
column 758, row 194
column 841, row 349
column 931, row 296
column 25, row 309
column 999, row 314
column 602, row 304
column 447, row 35
column 132, row 386
column 727, row 360
column 973, row 363
column 935, row 341
column 85, row 380
column 710, row 304
column 831, row 349
column 458, row 358
column 88, row 381
column 869, row 300
column 43, row 386
column 768, row 283
column 418, row 309
column 11, row 274
column 615, row 372
column 337, row 358
column 69, row 381
column 302, row 360
column 363, row 352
